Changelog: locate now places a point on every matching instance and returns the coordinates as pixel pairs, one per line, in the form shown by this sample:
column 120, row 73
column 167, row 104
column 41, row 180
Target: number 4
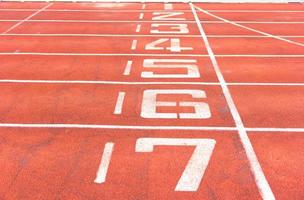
column 195, row 169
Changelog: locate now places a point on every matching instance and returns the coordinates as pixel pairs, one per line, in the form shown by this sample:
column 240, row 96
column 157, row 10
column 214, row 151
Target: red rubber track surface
column 64, row 67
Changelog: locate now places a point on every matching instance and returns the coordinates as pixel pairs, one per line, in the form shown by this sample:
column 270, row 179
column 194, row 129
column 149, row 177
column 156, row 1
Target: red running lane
column 62, row 163
column 111, row 45
column 23, row 5
column 95, row 104
column 122, row 28
column 262, row 70
column 270, row 106
column 255, row 46
column 281, row 156
column 94, row 68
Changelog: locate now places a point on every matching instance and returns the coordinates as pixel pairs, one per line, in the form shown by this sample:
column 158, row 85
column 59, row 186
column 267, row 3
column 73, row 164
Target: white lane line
column 134, row 44
column 141, row 16
column 159, row 55
column 250, row 29
column 286, row 130
column 148, row 21
column 138, row 28
column 119, row 103
column 142, row 35
column 127, row 72
column 104, row 163
column 255, row 166
column 26, row 19
column 128, row 67
column 138, row 127
column 143, row 7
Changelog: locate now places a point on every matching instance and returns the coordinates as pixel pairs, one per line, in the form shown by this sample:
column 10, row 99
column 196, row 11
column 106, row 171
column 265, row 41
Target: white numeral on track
column 167, row 15
column 195, row 169
column 184, row 64
column 175, row 45
column 173, row 28
column 104, row 164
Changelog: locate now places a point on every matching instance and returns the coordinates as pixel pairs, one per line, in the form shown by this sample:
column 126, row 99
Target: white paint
column 255, row 166
column 250, row 29
column 134, row 44
column 138, row 28
column 119, row 103
column 196, row 166
column 173, row 28
column 141, row 83
column 150, row 104
column 104, row 163
column 159, row 44
column 169, row 16
column 141, row 15
column 128, row 67
column 26, row 19
column 149, row 21
column 159, row 55
column 142, row 35
column 188, row 64
column 138, row 127
column 168, row 6
column 142, row 7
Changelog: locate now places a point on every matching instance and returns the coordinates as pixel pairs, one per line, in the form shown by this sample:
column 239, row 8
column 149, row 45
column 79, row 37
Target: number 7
column 195, row 169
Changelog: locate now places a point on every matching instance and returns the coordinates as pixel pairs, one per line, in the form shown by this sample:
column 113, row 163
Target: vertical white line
column 134, row 44
column 168, row 6
column 32, row 15
column 119, row 103
column 141, row 16
column 104, row 163
column 143, row 6
column 127, row 70
column 255, row 166
column 138, row 28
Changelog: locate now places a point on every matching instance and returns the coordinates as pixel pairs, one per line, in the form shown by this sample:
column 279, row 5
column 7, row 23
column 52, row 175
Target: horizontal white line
column 148, row 21
column 143, row 82
column 160, row 55
column 98, row 126
column 142, row 35
column 138, row 127
column 140, row 10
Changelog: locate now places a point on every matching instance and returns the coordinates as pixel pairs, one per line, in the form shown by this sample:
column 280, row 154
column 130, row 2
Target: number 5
column 194, row 171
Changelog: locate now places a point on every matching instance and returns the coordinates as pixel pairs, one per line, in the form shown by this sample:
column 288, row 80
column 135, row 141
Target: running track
column 151, row 101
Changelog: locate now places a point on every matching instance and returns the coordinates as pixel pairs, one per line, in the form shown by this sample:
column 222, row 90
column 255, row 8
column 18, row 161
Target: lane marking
column 148, row 21
column 159, row 55
column 250, row 29
column 141, row 16
column 104, row 163
column 119, row 103
column 142, row 35
column 127, row 72
column 128, row 67
column 143, row 7
column 169, row 6
column 26, row 19
column 137, row 127
column 256, row 169
column 134, row 44
column 138, row 28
